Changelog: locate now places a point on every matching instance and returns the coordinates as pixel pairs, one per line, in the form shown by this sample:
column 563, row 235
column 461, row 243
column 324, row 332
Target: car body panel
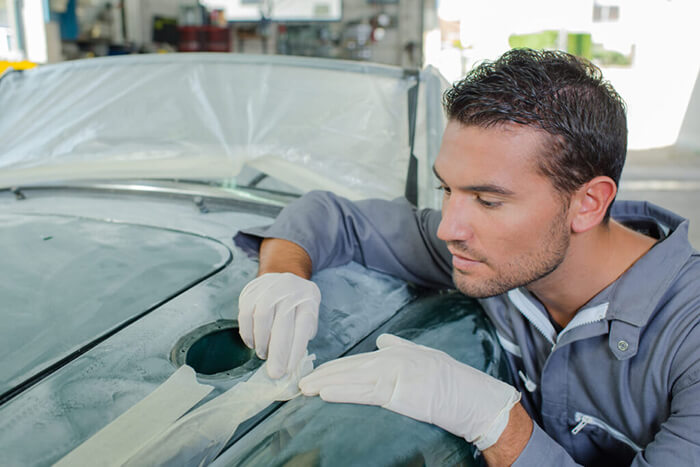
column 123, row 181
column 49, row 418
column 67, row 281
column 309, row 431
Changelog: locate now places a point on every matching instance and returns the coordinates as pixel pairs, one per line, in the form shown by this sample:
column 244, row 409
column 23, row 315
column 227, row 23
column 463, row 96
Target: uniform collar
column 636, row 294
column 628, row 303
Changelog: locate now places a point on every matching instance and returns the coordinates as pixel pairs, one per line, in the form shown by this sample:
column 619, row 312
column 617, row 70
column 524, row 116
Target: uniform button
column 623, row 345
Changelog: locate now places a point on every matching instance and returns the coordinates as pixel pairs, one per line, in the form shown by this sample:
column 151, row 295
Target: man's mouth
column 462, row 262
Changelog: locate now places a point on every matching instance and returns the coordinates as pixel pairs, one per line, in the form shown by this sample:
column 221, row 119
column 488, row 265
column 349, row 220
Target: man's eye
column 487, row 204
column 445, row 190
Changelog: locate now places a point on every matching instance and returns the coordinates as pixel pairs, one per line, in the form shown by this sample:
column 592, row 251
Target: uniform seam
column 692, row 377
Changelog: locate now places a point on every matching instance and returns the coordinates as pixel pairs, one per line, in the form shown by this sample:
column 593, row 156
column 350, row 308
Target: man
column 597, row 305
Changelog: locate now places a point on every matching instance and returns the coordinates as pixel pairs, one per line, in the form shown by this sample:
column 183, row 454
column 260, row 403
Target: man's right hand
column 278, row 315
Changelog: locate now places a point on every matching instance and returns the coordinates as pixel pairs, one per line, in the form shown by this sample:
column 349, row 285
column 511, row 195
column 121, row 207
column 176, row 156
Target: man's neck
column 595, row 260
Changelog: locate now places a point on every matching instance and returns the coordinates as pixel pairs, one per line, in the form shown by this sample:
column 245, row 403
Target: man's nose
column 456, row 221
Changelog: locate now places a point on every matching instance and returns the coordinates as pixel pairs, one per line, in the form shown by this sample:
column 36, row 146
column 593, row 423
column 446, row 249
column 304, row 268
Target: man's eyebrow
column 437, row 174
column 499, row 190
column 487, row 188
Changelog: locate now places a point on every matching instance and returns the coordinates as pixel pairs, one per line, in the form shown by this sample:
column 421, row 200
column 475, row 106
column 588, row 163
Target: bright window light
column 642, row 46
column 34, row 30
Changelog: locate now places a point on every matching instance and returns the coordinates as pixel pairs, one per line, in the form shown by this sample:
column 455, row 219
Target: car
column 123, row 181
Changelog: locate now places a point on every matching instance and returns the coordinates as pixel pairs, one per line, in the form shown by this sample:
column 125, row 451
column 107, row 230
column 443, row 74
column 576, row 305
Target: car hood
column 313, row 123
column 67, row 279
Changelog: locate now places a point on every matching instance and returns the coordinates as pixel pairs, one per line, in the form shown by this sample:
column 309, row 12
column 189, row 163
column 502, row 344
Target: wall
column 393, row 49
column 139, row 16
column 406, row 34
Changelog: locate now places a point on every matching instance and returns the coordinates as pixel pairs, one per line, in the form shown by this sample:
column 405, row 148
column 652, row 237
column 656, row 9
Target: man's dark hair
column 559, row 93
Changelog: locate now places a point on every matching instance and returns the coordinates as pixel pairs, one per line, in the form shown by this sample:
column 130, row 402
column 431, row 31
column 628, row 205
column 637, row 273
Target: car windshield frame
column 375, row 146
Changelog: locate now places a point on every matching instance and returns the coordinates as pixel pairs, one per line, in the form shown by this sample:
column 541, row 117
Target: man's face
column 504, row 223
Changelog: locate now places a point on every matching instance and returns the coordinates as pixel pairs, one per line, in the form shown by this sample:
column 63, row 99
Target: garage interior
column 628, row 40
column 146, row 284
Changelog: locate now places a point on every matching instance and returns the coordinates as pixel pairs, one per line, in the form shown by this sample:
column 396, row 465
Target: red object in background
column 218, row 39
column 189, row 39
column 204, row 39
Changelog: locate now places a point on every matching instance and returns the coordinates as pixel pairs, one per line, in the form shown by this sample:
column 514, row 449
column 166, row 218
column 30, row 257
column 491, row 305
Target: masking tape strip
column 198, row 437
column 115, row 443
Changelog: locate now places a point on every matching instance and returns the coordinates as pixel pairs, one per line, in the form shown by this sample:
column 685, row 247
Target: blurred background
column 648, row 49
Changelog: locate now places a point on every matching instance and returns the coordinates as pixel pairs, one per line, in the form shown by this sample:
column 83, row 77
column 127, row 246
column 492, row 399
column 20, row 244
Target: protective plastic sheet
column 313, row 123
column 430, row 125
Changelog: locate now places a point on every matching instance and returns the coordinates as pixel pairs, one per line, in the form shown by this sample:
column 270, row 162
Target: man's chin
column 474, row 288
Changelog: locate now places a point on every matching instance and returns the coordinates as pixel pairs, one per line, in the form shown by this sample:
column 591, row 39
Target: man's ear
column 590, row 203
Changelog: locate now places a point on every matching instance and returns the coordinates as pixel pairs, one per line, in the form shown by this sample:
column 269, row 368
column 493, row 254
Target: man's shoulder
column 668, row 269
column 687, row 281
column 677, row 322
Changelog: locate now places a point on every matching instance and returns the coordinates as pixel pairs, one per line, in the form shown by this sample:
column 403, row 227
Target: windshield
column 307, row 123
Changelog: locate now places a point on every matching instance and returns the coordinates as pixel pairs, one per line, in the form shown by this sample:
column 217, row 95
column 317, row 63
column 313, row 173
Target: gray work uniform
column 619, row 385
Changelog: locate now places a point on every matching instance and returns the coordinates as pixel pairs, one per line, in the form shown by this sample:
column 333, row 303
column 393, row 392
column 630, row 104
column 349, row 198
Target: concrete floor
column 666, row 178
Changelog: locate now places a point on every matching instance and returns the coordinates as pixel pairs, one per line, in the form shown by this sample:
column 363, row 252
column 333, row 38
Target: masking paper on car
column 312, row 123
column 198, row 437
column 148, row 433
column 113, row 445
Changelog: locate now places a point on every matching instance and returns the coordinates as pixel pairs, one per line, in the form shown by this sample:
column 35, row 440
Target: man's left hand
column 421, row 383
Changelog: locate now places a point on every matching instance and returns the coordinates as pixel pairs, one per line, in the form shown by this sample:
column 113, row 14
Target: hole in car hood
column 215, row 350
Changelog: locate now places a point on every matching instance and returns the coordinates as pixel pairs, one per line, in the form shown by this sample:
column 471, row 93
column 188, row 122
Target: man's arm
column 278, row 255
column 335, row 231
column 429, row 385
column 388, row 236
column 513, row 439
column 278, row 311
column 678, row 440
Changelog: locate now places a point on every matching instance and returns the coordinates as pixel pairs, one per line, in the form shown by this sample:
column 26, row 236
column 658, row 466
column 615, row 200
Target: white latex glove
column 421, row 383
column 278, row 316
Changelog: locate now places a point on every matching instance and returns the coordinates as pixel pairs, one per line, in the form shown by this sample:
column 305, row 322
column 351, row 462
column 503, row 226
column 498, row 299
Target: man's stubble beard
column 523, row 270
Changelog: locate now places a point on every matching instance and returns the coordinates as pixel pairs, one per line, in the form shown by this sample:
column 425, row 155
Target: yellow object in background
column 23, row 65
